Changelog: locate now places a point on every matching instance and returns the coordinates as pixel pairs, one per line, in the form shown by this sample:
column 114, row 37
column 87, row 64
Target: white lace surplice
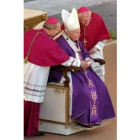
column 35, row 81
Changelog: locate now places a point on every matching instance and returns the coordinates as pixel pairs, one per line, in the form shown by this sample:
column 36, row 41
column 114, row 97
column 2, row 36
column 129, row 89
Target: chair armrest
column 100, row 61
column 64, row 71
column 68, row 68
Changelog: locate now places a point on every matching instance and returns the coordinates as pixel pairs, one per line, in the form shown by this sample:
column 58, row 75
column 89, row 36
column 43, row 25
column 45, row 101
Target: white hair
column 80, row 14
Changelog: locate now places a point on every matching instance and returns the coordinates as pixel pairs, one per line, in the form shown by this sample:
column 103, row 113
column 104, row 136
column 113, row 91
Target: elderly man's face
column 85, row 18
column 74, row 35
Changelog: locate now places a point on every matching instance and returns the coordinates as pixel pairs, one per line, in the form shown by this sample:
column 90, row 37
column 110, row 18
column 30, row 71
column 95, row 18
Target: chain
column 26, row 58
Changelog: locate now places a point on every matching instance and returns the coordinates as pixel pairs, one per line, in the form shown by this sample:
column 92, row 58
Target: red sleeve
column 46, row 52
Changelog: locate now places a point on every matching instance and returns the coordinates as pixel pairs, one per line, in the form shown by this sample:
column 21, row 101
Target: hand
column 89, row 62
column 93, row 50
column 85, row 64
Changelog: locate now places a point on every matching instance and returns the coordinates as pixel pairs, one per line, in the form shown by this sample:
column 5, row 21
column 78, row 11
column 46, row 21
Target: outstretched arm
column 99, row 46
column 76, row 62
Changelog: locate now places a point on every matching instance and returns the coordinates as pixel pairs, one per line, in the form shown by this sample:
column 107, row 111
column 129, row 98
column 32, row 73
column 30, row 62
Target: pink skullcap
column 52, row 20
column 83, row 9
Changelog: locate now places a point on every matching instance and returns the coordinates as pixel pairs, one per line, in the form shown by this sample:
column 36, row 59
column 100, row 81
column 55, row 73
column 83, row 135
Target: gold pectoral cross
column 84, row 41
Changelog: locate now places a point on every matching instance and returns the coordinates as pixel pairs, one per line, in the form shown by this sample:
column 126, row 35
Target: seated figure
column 90, row 100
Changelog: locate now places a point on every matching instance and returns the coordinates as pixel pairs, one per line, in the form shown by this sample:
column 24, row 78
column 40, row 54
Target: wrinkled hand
column 86, row 64
column 89, row 62
column 94, row 50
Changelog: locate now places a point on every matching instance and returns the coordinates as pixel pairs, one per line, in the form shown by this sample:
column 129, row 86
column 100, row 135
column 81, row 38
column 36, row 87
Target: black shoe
column 88, row 126
column 40, row 134
column 96, row 124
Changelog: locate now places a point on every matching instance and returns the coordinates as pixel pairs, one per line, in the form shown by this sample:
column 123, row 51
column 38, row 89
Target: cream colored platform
column 54, row 111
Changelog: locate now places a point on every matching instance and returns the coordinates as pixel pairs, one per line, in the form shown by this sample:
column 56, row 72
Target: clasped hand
column 86, row 64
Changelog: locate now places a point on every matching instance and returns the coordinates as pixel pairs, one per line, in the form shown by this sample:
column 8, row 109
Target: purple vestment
column 91, row 102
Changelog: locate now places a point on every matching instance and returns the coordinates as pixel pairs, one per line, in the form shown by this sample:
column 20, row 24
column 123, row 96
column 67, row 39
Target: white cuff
column 88, row 59
column 100, row 45
column 72, row 62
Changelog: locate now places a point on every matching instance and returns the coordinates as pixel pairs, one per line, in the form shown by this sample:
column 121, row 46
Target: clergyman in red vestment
column 94, row 34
